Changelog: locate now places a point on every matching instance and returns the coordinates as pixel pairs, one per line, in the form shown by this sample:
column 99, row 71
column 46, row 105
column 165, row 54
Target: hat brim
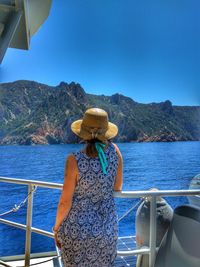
column 109, row 134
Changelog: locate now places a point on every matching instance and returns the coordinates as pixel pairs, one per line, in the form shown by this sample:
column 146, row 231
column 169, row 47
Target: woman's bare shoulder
column 71, row 162
column 117, row 149
column 71, row 157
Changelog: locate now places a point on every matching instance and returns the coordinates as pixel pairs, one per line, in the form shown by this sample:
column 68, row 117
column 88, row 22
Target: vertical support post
column 28, row 226
column 152, row 241
column 57, row 262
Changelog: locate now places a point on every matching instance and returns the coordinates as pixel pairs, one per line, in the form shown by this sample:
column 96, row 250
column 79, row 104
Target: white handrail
column 123, row 194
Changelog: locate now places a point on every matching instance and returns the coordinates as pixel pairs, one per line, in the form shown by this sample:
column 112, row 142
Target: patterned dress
column 89, row 232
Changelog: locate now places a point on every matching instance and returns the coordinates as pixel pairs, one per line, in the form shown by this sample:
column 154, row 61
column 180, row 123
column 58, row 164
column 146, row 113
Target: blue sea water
column 146, row 165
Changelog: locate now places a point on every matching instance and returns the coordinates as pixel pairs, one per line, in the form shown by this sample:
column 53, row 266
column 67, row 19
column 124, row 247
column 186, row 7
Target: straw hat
column 94, row 124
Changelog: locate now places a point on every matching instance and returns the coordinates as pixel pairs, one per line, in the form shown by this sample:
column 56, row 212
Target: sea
column 167, row 165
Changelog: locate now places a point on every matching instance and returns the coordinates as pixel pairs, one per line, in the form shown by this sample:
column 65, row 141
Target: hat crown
column 95, row 118
column 94, row 124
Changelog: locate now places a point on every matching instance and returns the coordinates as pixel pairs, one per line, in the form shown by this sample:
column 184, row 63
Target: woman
column 86, row 228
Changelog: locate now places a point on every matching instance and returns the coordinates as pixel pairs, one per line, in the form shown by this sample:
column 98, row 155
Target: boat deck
column 126, row 243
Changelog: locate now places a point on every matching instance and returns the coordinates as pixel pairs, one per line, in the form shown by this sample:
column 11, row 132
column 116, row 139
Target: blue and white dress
column 89, row 232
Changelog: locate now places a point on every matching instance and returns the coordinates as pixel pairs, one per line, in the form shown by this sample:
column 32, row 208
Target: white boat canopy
column 19, row 21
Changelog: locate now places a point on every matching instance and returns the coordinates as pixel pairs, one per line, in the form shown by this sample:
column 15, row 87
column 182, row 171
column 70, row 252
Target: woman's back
column 89, row 232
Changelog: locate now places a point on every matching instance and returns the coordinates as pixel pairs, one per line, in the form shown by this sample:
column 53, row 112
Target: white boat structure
column 19, row 21
column 53, row 259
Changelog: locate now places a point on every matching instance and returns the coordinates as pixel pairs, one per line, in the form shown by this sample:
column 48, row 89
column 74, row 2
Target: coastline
column 125, row 142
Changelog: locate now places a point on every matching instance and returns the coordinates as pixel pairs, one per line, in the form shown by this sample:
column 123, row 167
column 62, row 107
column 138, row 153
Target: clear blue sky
column 148, row 50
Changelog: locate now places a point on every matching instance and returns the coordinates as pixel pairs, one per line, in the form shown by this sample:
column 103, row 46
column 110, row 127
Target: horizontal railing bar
column 23, row 227
column 30, row 182
column 33, row 256
column 42, row 232
column 126, row 253
column 159, row 193
column 127, row 236
column 14, row 224
column 121, row 194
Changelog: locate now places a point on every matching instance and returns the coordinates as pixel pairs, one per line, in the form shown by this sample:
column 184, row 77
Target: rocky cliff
column 35, row 113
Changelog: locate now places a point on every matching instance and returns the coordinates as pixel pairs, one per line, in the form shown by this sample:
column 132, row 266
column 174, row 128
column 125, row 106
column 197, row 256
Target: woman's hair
column 90, row 147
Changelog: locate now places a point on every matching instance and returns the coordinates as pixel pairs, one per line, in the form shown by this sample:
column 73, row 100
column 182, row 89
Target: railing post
column 152, row 241
column 29, row 225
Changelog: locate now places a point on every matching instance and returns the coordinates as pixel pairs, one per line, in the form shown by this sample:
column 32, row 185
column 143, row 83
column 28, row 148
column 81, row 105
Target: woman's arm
column 70, row 179
column 119, row 176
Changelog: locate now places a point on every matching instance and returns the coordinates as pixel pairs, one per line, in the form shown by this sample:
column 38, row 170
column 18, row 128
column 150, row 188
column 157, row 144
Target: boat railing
column 152, row 195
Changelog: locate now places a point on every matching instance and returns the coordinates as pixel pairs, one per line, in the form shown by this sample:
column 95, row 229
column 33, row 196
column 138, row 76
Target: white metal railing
column 124, row 194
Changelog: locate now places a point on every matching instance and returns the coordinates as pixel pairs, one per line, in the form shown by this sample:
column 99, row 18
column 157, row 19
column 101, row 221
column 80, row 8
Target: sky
column 147, row 50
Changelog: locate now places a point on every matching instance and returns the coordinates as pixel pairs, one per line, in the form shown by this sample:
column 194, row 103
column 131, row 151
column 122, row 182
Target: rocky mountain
column 35, row 113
